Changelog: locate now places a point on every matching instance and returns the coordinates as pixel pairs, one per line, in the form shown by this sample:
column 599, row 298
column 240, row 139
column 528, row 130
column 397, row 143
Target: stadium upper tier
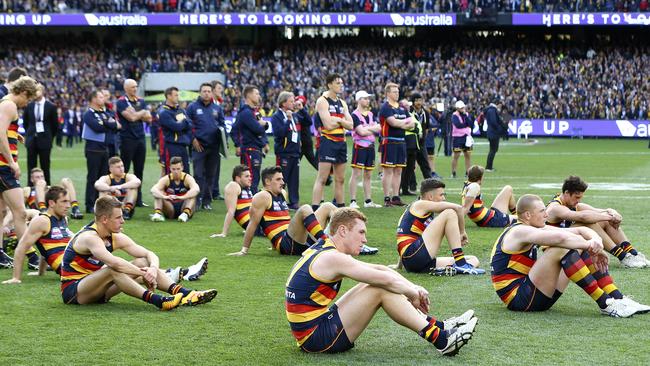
column 534, row 80
column 369, row 6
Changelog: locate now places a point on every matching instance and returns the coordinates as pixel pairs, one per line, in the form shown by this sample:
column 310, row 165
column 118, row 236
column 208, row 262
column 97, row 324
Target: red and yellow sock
column 128, row 207
column 604, row 280
column 74, row 204
column 152, row 298
column 176, row 288
column 157, row 211
column 577, row 271
column 434, row 334
column 459, row 256
column 313, row 226
column 42, row 206
column 188, row 211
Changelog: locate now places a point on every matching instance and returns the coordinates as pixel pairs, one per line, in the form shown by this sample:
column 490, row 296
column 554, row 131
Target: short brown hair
column 104, row 206
column 248, row 89
column 24, row 84
column 114, row 160
column 207, row 85
column 525, row 203
column 175, row 160
column 475, row 173
column 214, row 83
column 430, row 184
column 15, row 74
column 54, row 193
column 332, row 78
column 238, row 170
column 347, row 217
column 389, row 86
column 169, row 91
column 574, row 184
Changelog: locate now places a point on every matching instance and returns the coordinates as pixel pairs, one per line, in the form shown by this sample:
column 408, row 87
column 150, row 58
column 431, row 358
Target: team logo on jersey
column 56, row 233
column 180, row 117
column 199, row 111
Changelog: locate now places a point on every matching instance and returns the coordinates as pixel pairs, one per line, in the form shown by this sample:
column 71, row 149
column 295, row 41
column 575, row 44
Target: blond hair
column 104, row 206
column 24, row 84
column 389, row 86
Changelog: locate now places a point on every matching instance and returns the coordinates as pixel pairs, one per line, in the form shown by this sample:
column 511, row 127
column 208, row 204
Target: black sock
column 368, row 200
column 386, row 199
column 395, row 198
column 340, row 205
column 351, row 201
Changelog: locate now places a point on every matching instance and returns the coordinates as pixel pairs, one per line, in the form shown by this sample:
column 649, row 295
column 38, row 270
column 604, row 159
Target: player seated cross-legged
column 35, row 195
column 269, row 210
column 90, row 273
column 474, row 207
column 321, row 325
column 119, row 184
column 238, row 197
column 420, row 233
column 527, row 283
column 175, row 194
column 567, row 210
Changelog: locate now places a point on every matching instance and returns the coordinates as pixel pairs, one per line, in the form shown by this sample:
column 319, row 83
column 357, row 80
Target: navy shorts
column 7, row 179
column 459, row 144
column 69, row 293
column 529, row 298
column 288, row 246
column 416, row 257
column 329, row 336
column 393, row 154
column 499, row 219
column 363, row 157
column 178, row 209
column 332, row 152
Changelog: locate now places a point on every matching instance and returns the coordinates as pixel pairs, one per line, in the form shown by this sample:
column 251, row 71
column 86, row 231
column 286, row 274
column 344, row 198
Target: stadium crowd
column 368, row 6
column 532, row 80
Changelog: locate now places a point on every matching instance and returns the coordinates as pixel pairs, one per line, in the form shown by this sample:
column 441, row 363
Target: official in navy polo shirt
column 286, row 136
column 132, row 112
column 249, row 134
column 176, row 130
column 97, row 126
column 207, row 117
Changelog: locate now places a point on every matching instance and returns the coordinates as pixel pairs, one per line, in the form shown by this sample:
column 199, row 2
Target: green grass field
column 246, row 323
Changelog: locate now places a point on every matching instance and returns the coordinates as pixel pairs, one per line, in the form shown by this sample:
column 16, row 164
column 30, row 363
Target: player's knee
column 140, row 262
column 328, row 206
column 507, row 188
column 448, row 213
column 66, row 182
column 340, row 179
column 305, row 210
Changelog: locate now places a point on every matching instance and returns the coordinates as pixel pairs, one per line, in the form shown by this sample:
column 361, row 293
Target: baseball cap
column 361, row 94
column 302, row 99
column 459, row 104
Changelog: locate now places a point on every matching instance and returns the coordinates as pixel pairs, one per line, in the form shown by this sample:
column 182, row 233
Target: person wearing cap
column 394, row 120
column 286, row 136
column 461, row 137
column 363, row 154
column 302, row 117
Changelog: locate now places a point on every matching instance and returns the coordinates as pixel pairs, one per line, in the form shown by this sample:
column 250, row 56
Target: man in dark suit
column 496, row 129
column 41, row 124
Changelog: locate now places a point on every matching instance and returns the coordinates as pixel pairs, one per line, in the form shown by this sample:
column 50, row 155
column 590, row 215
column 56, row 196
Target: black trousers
column 307, row 150
column 96, row 166
column 494, row 147
column 43, row 156
column 408, row 173
column 179, row 150
column 205, row 167
column 291, row 172
column 217, row 173
column 134, row 151
column 252, row 158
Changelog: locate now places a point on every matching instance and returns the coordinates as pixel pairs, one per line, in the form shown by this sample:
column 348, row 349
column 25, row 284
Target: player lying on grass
column 567, row 210
column 420, row 233
column 90, row 273
column 526, row 283
column 320, row 325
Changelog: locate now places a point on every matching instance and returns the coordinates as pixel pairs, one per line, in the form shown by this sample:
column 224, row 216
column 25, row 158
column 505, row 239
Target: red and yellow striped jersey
column 308, row 297
column 12, row 138
column 30, row 201
column 116, row 182
column 76, row 266
column 335, row 109
column 509, row 267
column 561, row 223
column 244, row 200
column 52, row 245
column 477, row 212
column 177, row 189
column 276, row 220
column 410, row 228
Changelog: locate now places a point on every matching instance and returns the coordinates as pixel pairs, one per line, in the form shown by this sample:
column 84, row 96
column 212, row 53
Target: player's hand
column 601, row 262
column 20, row 138
column 149, row 275
column 16, row 168
column 421, row 300
column 595, row 247
column 147, row 117
column 218, row 235
column 237, row 254
column 266, row 149
column 171, row 197
column 464, row 239
column 12, row 281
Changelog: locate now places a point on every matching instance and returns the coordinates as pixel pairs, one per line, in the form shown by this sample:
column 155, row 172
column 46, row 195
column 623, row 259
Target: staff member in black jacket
column 303, row 118
column 132, row 112
column 176, row 130
column 286, row 134
column 96, row 127
column 207, row 117
column 41, row 123
column 495, row 130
